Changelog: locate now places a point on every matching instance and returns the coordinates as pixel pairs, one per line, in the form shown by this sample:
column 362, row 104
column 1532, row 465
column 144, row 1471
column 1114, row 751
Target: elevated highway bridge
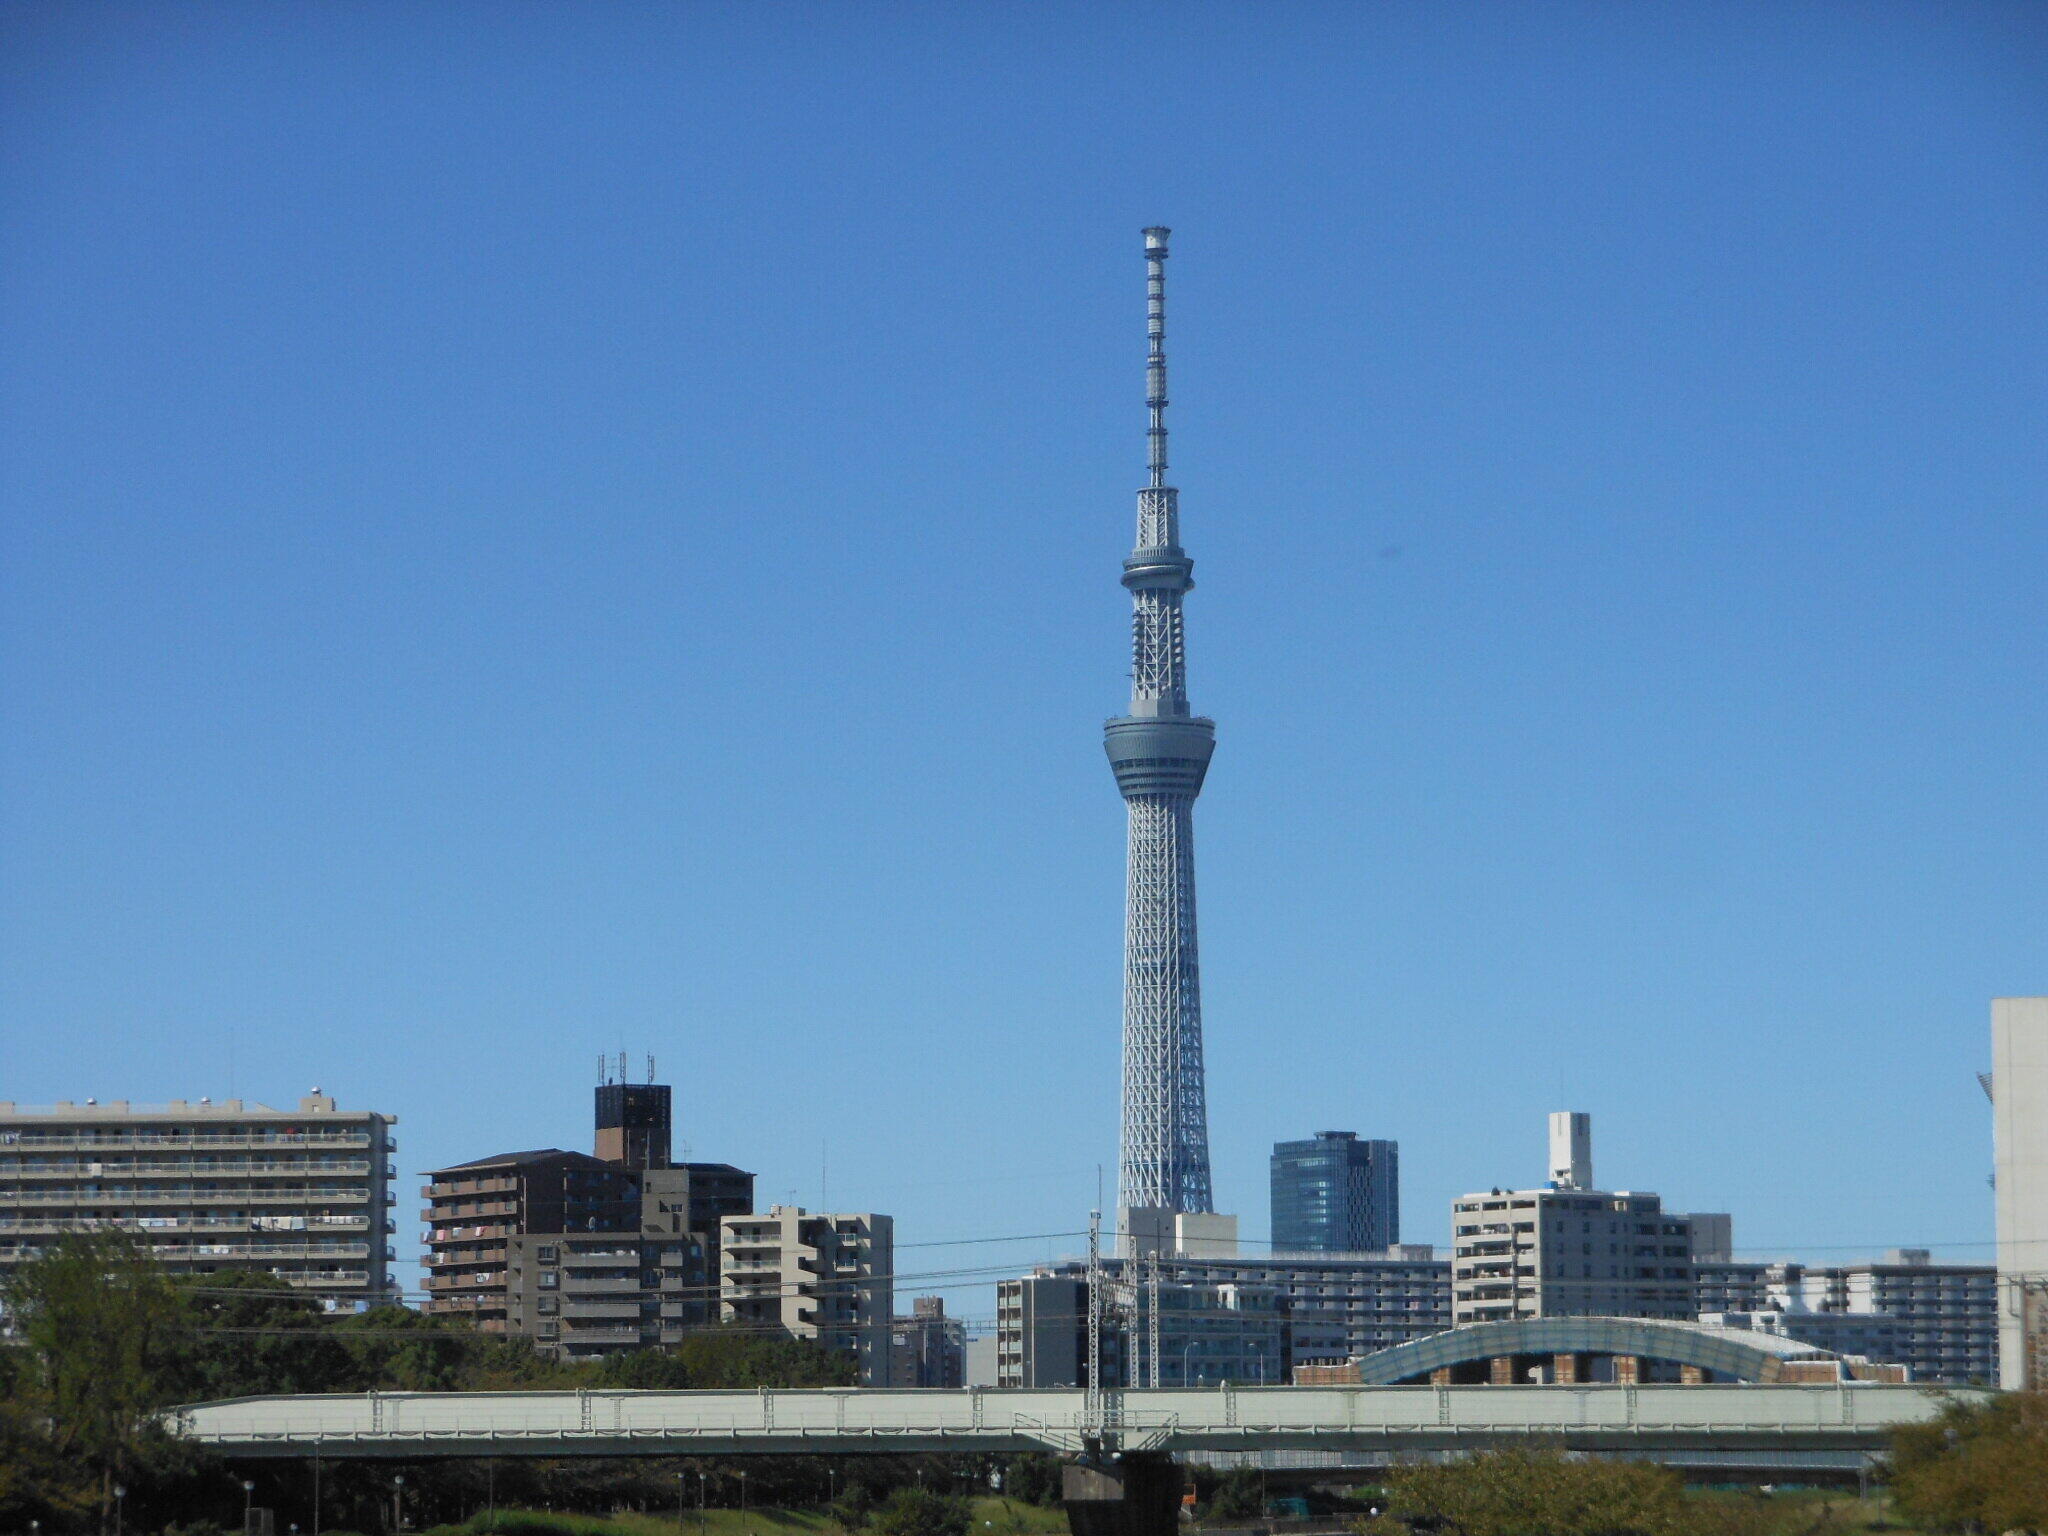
column 1839, row 1425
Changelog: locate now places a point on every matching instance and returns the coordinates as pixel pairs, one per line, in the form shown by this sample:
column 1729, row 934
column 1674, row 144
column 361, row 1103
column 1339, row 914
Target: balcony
column 620, row 1285
column 485, row 1281
column 625, row 1306
column 37, row 1141
column 238, row 1168
column 183, row 1253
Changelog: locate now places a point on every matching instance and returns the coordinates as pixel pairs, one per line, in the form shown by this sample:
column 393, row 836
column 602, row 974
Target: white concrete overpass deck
column 856, row 1421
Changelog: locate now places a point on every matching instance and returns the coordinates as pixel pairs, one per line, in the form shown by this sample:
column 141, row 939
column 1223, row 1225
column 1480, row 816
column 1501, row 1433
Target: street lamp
column 679, row 1502
column 398, row 1502
column 120, row 1509
column 831, row 1485
column 248, row 1500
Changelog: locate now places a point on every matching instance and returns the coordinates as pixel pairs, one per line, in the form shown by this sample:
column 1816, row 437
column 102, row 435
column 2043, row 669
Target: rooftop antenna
column 650, row 1066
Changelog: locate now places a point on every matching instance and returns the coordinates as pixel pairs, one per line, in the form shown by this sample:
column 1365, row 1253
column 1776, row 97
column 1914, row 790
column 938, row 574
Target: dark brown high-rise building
column 633, row 1125
column 586, row 1255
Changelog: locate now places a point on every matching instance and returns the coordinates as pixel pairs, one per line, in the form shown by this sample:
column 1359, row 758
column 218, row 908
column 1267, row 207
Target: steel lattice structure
column 1160, row 752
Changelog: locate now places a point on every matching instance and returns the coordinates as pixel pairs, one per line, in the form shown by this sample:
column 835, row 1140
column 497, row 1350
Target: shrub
column 1547, row 1493
column 1976, row 1467
column 920, row 1512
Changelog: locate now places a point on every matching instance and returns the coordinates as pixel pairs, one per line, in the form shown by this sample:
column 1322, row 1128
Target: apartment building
column 1942, row 1319
column 1206, row 1333
column 1341, row 1304
column 1551, row 1252
column 1042, row 1330
column 586, row 1255
column 1729, row 1285
column 928, row 1348
column 207, row 1186
column 477, row 1210
column 1573, row 1250
column 827, row 1276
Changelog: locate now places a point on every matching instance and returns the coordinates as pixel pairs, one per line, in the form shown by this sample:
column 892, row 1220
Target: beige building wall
column 302, row 1194
column 1569, row 1252
column 820, row 1275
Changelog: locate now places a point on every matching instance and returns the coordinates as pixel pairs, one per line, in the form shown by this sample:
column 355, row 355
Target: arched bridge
column 1562, row 1349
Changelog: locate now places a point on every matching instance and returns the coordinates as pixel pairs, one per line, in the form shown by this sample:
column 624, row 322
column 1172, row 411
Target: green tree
column 253, row 1333
column 1034, row 1479
column 1240, row 1495
column 105, row 1339
column 1976, row 1467
column 735, row 1357
column 1547, row 1493
column 917, row 1511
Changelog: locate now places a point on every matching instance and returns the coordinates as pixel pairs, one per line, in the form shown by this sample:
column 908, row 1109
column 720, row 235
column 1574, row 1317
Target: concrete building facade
column 1569, row 1252
column 827, row 1276
column 2019, row 1118
column 928, row 1348
column 207, row 1186
column 1206, row 1333
column 1335, row 1194
column 585, row 1255
column 1042, row 1329
column 1342, row 1304
column 475, row 1211
column 1940, row 1320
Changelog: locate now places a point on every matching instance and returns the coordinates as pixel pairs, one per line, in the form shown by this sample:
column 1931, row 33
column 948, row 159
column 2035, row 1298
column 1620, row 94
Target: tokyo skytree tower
column 1160, row 752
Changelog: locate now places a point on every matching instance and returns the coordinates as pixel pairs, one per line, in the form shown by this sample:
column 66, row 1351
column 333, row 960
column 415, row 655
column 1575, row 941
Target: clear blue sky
column 540, row 529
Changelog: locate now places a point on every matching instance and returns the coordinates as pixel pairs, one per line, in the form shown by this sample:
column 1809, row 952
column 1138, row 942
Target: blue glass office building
column 1336, row 1194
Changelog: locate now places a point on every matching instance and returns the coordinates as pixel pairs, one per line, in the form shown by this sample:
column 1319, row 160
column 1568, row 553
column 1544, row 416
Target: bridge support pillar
column 1135, row 1495
column 1501, row 1371
column 1628, row 1369
column 1691, row 1376
column 1440, row 1377
column 1564, row 1370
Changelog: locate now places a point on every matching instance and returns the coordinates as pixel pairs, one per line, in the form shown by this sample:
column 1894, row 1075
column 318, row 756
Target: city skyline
column 479, row 592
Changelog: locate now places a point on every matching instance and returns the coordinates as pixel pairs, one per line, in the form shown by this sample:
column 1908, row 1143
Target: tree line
column 101, row 1340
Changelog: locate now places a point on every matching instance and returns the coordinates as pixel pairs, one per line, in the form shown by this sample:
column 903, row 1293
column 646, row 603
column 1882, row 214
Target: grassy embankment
column 1791, row 1514
column 992, row 1516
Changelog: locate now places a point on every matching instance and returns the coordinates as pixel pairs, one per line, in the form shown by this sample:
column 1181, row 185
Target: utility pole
column 1091, row 1400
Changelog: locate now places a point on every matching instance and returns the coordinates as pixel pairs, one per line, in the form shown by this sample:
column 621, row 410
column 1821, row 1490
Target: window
column 550, row 1279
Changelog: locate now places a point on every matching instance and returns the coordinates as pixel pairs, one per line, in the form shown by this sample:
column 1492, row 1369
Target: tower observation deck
column 1160, row 753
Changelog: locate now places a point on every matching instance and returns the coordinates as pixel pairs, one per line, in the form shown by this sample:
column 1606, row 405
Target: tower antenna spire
column 1155, row 362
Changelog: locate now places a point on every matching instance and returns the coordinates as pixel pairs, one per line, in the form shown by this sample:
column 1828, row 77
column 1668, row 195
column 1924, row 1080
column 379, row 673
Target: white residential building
column 303, row 1194
column 827, row 1276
